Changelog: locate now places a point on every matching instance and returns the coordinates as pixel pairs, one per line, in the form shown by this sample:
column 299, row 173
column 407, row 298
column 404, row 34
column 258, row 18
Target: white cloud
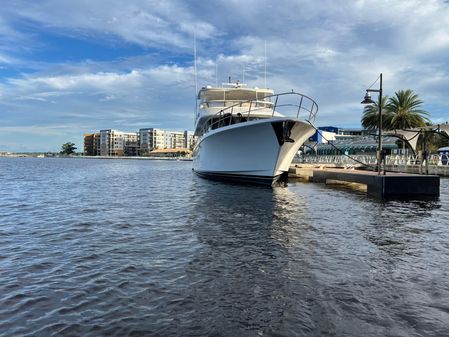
column 101, row 81
column 329, row 50
column 138, row 98
column 161, row 24
column 43, row 130
column 5, row 59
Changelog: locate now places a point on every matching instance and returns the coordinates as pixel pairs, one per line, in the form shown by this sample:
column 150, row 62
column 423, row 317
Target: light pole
column 368, row 100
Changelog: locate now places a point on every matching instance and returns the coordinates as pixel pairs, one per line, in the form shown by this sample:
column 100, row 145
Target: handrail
column 371, row 159
column 226, row 115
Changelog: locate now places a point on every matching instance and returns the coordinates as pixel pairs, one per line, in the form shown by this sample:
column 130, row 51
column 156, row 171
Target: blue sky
column 70, row 67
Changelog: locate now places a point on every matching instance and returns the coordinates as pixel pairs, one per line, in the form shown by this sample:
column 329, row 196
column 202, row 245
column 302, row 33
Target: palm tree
column 370, row 118
column 405, row 110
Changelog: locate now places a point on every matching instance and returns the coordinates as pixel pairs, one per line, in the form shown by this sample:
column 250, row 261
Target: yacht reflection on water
column 247, row 212
column 243, row 272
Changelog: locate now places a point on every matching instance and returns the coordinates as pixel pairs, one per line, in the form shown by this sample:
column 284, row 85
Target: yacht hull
column 259, row 151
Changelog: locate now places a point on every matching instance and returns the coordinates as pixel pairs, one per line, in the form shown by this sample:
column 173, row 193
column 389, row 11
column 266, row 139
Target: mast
column 265, row 65
column 216, row 72
column 196, row 76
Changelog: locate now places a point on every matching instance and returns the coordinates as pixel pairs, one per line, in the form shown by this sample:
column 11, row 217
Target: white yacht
column 250, row 134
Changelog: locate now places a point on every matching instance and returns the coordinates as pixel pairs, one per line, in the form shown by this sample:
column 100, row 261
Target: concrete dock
column 390, row 185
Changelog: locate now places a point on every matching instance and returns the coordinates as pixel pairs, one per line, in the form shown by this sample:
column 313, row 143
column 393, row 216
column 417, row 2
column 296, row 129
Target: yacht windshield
column 232, row 95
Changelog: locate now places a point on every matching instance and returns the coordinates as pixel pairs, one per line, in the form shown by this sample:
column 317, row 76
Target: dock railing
column 371, row 160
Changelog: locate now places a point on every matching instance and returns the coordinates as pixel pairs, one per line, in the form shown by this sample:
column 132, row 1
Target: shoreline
column 102, row 157
column 129, row 157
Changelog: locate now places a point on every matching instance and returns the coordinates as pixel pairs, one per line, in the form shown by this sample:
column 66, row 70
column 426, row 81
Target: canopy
column 411, row 136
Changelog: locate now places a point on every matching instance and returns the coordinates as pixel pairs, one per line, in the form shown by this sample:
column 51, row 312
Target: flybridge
column 232, row 91
column 217, row 112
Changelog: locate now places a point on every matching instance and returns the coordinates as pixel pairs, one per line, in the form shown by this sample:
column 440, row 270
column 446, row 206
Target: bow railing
column 288, row 104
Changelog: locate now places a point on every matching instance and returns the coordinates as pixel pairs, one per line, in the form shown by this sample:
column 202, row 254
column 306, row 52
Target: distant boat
column 243, row 136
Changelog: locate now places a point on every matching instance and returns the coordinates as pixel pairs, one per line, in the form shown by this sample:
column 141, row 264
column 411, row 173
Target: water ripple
column 145, row 248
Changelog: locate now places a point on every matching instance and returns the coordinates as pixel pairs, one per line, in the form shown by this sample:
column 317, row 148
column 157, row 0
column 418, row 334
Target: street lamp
column 367, row 100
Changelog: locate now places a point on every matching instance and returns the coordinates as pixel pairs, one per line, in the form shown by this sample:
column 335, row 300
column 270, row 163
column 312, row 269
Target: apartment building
column 175, row 140
column 189, row 140
column 97, row 143
column 89, row 148
column 118, row 143
column 181, row 139
column 92, row 144
column 151, row 138
column 132, row 143
column 111, row 142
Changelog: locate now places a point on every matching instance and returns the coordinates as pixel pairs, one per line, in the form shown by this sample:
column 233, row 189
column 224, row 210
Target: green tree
column 370, row 117
column 405, row 111
column 435, row 141
column 68, row 148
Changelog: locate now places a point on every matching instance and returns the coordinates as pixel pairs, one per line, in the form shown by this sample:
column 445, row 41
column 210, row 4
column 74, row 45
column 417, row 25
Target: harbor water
column 145, row 248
